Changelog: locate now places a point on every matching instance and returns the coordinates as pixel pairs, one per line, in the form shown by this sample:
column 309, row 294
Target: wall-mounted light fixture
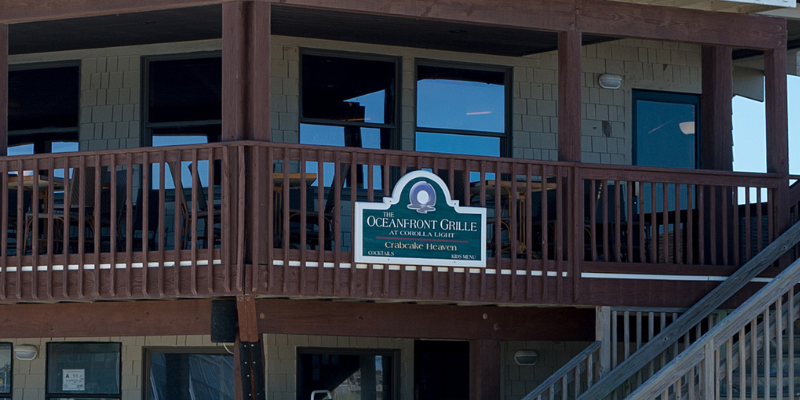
column 526, row 357
column 610, row 81
column 25, row 352
column 687, row 127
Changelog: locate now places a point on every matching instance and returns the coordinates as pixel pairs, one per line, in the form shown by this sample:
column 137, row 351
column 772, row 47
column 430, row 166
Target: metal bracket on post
column 252, row 367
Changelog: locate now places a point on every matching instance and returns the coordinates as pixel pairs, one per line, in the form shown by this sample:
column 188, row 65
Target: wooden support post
column 603, row 335
column 484, row 369
column 3, row 89
column 569, row 96
column 716, row 133
column 246, row 70
column 776, row 105
column 717, row 109
column 249, row 354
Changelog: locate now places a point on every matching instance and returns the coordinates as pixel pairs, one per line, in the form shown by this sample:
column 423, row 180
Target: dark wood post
column 484, row 369
column 3, row 89
column 776, row 105
column 569, row 96
column 716, row 110
column 569, row 141
column 249, row 354
column 716, row 135
column 245, row 70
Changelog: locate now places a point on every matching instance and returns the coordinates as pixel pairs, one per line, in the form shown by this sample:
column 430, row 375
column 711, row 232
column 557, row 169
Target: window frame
column 667, row 97
column 395, row 139
column 50, row 395
column 148, row 127
column 349, row 351
column 42, row 138
column 148, row 351
column 10, row 394
column 505, row 136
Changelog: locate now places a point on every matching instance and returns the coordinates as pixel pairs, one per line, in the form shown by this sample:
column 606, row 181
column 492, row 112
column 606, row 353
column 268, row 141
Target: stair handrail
column 567, row 371
column 694, row 315
column 723, row 331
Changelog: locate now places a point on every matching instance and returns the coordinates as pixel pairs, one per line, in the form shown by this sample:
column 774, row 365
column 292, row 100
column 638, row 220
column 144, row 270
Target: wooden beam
column 600, row 17
column 484, row 369
column 13, row 11
column 248, row 321
column 569, row 96
column 142, row 318
column 234, row 70
column 618, row 19
column 777, row 113
column 717, row 109
column 423, row 321
column 246, row 70
column 3, row 89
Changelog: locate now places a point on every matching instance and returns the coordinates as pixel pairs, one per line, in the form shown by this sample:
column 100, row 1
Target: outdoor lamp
column 25, row 352
column 526, row 357
column 610, row 81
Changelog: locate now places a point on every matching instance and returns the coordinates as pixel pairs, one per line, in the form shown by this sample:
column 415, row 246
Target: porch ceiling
column 199, row 23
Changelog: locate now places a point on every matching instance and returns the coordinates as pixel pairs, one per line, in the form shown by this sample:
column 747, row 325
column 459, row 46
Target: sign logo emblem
column 420, row 225
column 422, row 197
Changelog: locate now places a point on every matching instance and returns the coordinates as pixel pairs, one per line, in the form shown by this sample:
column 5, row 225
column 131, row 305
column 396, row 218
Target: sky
column 749, row 132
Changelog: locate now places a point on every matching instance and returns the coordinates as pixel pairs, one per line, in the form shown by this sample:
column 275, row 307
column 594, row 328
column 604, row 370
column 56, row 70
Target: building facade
column 180, row 180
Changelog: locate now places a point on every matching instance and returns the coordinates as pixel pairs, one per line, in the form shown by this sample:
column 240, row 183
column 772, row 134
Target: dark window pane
column 665, row 134
column 352, row 136
column 185, row 90
column 43, row 98
column 344, row 89
column 97, row 366
column 6, row 372
column 462, row 99
column 191, row 376
column 345, row 376
column 474, row 145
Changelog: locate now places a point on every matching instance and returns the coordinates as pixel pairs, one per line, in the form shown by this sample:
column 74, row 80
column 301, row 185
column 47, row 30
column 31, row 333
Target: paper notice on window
column 73, row 379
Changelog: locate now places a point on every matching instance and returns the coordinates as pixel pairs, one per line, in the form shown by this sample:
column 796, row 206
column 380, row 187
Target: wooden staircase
column 696, row 357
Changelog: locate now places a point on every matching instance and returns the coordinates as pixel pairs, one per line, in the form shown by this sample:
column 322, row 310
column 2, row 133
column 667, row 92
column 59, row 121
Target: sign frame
column 394, row 200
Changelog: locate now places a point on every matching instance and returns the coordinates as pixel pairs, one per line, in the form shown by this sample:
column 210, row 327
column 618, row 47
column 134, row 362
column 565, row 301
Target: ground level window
column 83, row 370
column 6, row 372
column 193, row 374
column 342, row 374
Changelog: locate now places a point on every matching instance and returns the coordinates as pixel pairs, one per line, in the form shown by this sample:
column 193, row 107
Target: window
column 43, row 109
column 666, row 129
column 461, row 110
column 83, row 370
column 189, row 374
column 184, row 106
column 348, row 102
column 184, row 100
column 6, row 371
column 347, row 374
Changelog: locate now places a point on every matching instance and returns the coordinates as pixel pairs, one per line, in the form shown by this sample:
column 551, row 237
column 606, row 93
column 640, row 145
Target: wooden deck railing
column 621, row 379
column 134, row 223
column 89, row 223
column 750, row 354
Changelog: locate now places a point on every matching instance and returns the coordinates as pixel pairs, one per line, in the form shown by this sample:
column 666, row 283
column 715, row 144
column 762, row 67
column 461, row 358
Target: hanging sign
column 420, row 225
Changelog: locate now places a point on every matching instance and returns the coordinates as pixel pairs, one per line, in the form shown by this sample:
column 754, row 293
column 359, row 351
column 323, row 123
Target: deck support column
column 3, row 89
column 716, row 131
column 569, row 96
column 717, row 109
column 249, row 354
column 776, row 105
column 246, row 70
column 484, row 369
